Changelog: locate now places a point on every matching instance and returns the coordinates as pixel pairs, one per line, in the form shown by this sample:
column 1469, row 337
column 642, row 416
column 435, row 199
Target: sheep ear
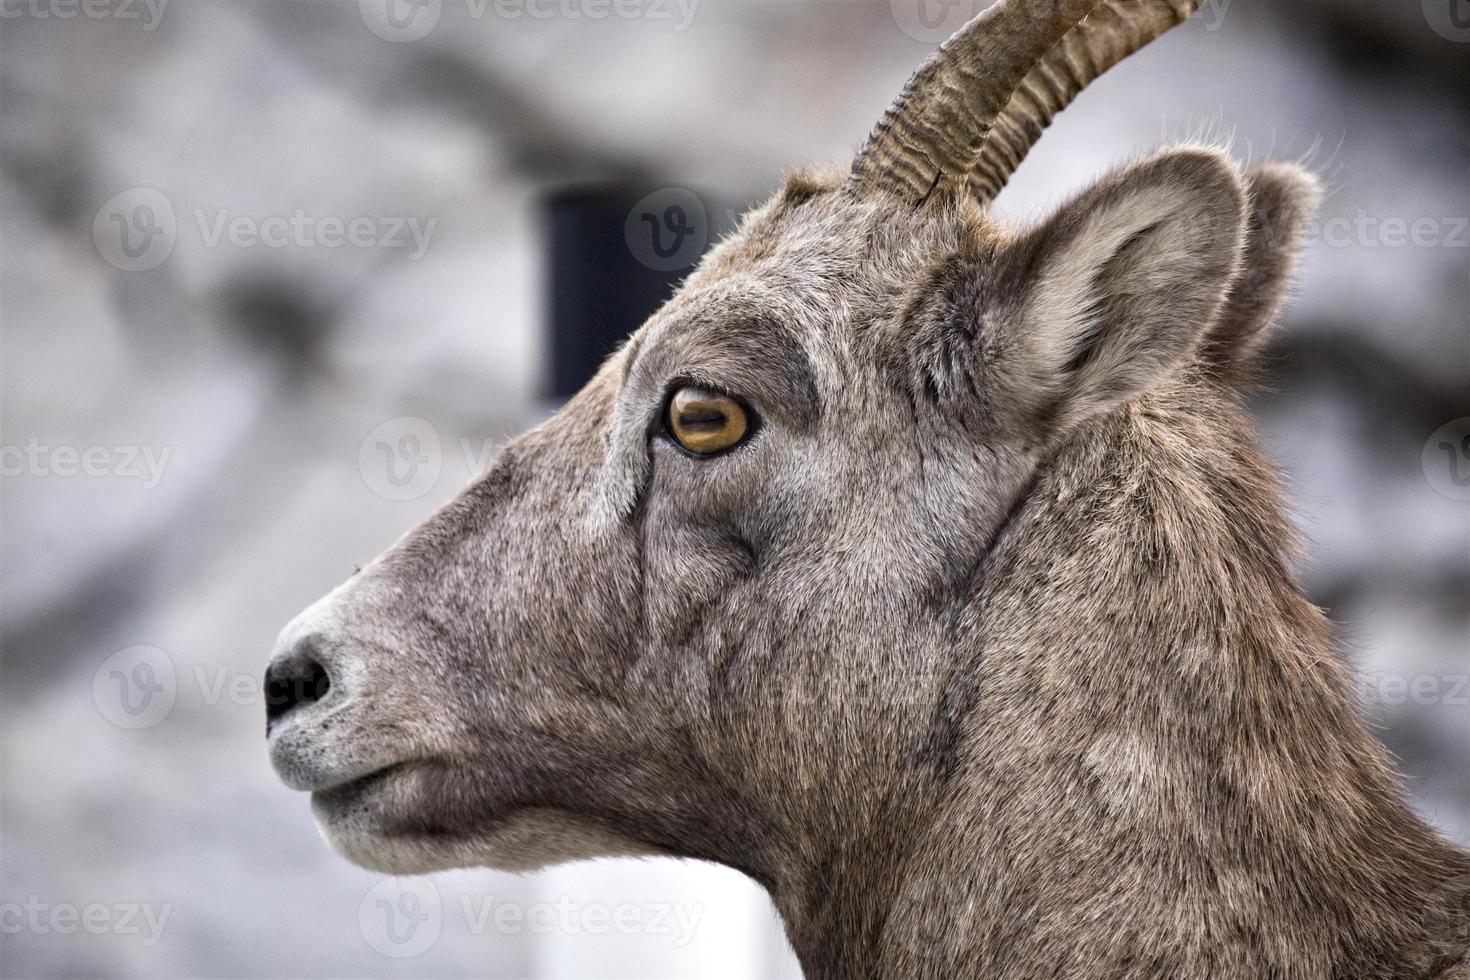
column 1120, row 285
column 1283, row 199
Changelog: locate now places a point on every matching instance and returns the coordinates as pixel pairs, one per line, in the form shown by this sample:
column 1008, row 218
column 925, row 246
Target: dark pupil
column 709, row 419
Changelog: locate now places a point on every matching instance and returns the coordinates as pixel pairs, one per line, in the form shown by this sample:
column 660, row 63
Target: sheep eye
column 706, row 422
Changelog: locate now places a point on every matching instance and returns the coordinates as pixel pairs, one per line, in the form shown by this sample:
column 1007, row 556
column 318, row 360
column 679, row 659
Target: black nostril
column 293, row 681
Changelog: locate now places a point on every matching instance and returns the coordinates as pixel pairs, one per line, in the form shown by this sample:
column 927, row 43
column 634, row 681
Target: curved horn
column 980, row 102
column 935, row 127
column 1112, row 31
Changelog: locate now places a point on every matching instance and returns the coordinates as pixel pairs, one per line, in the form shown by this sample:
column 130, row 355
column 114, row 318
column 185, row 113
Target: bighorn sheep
column 923, row 569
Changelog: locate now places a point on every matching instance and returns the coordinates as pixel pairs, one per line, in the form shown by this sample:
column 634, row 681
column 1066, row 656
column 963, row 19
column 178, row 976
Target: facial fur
column 643, row 642
column 776, row 657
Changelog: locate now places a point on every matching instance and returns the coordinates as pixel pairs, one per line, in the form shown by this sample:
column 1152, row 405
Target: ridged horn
column 1111, row 32
column 973, row 110
column 935, row 127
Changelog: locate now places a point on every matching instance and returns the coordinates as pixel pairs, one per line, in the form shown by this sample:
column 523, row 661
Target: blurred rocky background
column 274, row 283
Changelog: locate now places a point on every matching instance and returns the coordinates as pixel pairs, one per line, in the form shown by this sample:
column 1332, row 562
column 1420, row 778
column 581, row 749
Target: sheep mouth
column 351, row 793
column 412, row 798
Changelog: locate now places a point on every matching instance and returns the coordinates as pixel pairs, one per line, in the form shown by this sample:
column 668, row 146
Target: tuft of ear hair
column 1283, row 199
column 1120, row 286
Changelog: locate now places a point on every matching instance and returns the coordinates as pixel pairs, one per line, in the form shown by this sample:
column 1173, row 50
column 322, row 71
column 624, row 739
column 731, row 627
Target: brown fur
column 982, row 655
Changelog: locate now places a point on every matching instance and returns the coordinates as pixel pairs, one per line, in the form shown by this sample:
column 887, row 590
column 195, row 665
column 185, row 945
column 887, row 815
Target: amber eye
column 706, row 422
